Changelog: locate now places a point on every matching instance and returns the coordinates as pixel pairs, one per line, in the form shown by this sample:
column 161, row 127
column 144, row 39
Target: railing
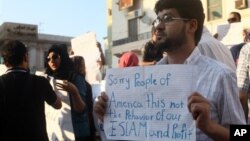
column 142, row 36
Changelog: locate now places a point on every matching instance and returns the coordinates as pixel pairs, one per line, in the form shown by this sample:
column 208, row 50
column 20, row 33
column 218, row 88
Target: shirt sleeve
column 81, row 86
column 228, row 103
column 243, row 69
column 49, row 94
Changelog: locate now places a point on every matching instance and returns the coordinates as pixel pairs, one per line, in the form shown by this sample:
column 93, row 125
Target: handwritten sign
column 150, row 103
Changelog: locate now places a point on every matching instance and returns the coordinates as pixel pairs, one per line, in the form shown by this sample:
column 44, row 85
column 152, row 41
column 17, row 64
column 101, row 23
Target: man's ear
column 193, row 25
column 26, row 58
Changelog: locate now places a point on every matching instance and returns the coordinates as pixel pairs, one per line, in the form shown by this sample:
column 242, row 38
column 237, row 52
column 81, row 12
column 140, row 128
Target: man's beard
column 172, row 44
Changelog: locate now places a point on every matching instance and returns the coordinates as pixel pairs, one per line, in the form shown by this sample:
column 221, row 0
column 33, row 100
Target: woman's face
column 53, row 60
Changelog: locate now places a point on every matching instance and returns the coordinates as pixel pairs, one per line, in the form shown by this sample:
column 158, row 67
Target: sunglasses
column 230, row 20
column 53, row 57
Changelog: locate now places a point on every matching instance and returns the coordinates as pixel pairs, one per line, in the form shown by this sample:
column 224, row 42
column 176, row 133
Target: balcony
column 142, row 36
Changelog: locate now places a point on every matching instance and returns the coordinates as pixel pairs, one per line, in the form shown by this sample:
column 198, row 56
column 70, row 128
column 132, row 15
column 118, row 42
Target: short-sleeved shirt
column 22, row 113
column 243, row 68
column 235, row 50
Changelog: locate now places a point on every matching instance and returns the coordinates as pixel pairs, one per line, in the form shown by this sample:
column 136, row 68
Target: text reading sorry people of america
column 147, row 103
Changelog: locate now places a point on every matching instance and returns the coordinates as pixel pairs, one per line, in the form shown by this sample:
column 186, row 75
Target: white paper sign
column 150, row 103
column 230, row 34
column 85, row 46
column 3, row 69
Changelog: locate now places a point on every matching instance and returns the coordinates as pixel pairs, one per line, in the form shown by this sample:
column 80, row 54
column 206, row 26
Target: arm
column 244, row 103
column 101, row 106
column 243, row 77
column 77, row 102
column 58, row 103
column 51, row 97
column 200, row 110
column 145, row 63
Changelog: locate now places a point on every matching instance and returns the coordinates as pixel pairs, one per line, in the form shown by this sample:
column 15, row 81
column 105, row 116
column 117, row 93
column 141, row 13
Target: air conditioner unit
column 240, row 4
column 135, row 14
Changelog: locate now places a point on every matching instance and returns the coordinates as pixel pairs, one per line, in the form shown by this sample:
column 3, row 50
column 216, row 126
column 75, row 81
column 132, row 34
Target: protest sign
column 96, row 91
column 230, row 34
column 85, row 46
column 150, row 103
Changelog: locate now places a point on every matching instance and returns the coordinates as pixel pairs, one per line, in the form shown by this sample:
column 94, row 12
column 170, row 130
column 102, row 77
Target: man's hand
column 200, row 110
column 101, row 105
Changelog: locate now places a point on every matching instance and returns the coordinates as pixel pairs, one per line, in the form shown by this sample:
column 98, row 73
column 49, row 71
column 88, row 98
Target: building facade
column 129, row 22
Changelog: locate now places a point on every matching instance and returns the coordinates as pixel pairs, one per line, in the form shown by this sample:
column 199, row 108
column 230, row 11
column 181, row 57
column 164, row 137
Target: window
column 1, row 59
column 214, row 8
column 132, row 30
column 124, row 4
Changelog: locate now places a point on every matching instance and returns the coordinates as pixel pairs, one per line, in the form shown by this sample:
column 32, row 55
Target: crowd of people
column 179, row 36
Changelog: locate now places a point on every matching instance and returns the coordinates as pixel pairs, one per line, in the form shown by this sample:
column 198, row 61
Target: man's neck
column 19, row 67
column 179, row 56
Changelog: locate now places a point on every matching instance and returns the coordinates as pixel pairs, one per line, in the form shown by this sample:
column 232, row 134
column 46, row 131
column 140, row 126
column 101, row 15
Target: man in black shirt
column 22, row 97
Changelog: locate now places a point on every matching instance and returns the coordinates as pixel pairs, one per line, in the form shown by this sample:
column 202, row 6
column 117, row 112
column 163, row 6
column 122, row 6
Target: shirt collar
column 16, row 69
column 192, row 57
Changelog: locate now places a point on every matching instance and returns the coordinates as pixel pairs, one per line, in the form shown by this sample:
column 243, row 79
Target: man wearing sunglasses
column 234, row 17
column 214, row 103
column 22, row 97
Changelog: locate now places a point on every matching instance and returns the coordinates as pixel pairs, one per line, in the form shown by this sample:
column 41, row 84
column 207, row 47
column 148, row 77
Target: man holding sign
column 214, row 101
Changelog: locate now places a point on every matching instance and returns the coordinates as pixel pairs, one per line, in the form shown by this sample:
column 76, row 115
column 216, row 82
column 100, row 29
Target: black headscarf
column 66, row 66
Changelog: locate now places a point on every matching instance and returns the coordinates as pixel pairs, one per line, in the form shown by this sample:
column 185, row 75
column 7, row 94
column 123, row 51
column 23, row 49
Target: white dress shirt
column 211, row 47
column 216, row 82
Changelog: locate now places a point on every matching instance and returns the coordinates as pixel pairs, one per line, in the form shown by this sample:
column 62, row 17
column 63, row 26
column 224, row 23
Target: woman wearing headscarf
column 60, row 66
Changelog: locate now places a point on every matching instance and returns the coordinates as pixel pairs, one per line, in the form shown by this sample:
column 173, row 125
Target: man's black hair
column 13, row 52
column 189, row 9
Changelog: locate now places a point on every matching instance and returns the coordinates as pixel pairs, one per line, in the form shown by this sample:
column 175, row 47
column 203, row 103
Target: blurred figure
column 79, row 67
column 128, row 59
column 214, row 49
column 101, row 62
column 150, row 54
column 234, row 17
column 21, row 97
column 243, row 73
column 235, row 49
column 60, row 66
